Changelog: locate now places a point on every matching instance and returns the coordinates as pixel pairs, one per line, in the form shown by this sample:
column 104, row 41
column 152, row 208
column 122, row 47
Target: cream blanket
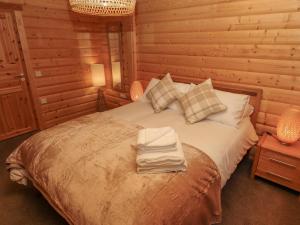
column 86, row 169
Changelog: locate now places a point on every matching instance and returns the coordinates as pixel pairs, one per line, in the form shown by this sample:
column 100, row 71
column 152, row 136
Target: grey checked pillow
column 163, row 94
column 201, row 102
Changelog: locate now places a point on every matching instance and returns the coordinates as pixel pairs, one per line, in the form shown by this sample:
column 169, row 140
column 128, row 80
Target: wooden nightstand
column 278, row 163
column 114, row 99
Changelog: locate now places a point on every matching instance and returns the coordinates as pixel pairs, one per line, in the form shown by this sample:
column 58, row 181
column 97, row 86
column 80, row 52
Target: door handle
column 21, row 77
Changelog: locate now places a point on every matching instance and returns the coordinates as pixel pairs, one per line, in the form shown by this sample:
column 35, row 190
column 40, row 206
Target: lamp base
column 281, row 142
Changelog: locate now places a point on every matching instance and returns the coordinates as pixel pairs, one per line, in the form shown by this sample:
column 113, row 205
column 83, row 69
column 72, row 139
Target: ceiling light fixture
column 104, row 7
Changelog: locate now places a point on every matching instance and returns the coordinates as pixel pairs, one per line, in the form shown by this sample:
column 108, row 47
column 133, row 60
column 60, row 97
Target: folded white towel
column 168, row 158
column 142, row 150
column 157, row 139
column 162, row 169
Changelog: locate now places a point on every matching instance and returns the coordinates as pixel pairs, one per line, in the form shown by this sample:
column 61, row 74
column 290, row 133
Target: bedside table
column 114, row 99
column 278, row 163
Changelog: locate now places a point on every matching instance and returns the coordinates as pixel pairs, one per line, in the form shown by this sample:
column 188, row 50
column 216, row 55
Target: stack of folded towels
column 159, row 150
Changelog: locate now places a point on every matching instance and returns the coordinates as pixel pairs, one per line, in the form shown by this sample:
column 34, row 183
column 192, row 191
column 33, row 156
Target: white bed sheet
column 225, row 145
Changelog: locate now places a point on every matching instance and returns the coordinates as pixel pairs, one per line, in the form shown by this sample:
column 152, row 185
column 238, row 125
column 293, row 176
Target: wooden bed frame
column 254, row 93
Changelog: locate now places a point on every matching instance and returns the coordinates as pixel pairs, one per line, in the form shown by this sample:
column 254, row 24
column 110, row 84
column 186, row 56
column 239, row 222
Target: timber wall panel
column 255, row 43
column 62, row 44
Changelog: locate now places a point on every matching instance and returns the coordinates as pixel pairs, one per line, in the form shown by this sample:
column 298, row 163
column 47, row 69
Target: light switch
column 43, row 101
column 38, row 73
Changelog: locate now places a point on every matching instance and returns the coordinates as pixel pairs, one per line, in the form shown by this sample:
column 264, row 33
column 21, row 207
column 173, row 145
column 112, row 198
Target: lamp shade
column 136, row 90
column 98, row 75
column 288, row 127
column 103, row 7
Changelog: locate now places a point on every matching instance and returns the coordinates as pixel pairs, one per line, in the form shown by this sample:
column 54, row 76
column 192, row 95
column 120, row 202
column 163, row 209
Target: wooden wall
column 249, row 42
column 62, row 44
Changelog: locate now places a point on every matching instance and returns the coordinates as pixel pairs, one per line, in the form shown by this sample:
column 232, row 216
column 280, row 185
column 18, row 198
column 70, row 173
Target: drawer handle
column 279, row 176
column 282, row 163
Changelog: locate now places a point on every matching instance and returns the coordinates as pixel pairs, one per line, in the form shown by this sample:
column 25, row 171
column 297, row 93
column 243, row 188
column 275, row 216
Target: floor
column 245, row 201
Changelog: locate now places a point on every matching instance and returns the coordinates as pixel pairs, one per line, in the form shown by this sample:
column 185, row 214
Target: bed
column 227, row 152
column 86, row 167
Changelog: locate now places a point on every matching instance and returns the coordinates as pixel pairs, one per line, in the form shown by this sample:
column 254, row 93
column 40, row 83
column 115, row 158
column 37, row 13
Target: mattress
column 225, row 145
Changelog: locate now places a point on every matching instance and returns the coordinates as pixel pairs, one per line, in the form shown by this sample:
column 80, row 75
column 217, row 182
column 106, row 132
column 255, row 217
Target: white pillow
column 151, row 84
column 249, row 110
column 182, row 89
column 236, row 106
column 208, row 81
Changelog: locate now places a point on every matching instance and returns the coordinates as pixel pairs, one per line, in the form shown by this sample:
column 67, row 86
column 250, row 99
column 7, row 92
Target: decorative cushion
column 162, row 94
column 201, row 102
column 151, row 84
column 182, row 89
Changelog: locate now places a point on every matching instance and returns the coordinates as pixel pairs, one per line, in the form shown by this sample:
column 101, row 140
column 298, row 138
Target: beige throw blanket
column 86, row 169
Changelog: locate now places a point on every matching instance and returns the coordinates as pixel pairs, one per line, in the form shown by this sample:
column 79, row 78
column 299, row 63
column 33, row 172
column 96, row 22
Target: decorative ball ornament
column 136, row 90
column 103, row 7
column 288, row 127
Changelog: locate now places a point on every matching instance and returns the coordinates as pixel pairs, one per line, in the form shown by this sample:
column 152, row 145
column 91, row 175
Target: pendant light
column 103, row 7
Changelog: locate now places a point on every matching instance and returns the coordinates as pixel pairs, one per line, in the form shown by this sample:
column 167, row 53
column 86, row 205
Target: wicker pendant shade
column 103, row 7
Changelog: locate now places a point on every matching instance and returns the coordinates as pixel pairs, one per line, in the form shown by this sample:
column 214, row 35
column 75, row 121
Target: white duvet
column 225, row 145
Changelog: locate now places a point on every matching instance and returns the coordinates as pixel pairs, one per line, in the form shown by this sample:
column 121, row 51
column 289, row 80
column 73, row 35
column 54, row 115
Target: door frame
column 18, row 23
column 23, row 87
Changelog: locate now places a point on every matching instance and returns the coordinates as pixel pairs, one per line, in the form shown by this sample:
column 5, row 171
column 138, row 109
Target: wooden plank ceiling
column 250, row 42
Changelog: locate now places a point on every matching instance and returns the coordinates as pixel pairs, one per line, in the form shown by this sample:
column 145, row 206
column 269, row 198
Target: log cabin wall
column 62, row 44
column 247, row 42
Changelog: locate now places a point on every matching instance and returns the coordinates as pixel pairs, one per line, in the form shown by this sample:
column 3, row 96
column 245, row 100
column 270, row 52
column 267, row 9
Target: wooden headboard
column 254, row 93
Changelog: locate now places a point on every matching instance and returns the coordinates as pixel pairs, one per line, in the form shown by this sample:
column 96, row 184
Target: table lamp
column 136, row 90
column 98, row 75
column 288, row 127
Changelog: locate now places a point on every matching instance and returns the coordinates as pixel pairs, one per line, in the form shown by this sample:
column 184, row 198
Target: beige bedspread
column 86, row 169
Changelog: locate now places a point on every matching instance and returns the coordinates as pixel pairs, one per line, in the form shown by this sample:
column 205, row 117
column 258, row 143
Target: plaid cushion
column 162, row 94
column 200, row 103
